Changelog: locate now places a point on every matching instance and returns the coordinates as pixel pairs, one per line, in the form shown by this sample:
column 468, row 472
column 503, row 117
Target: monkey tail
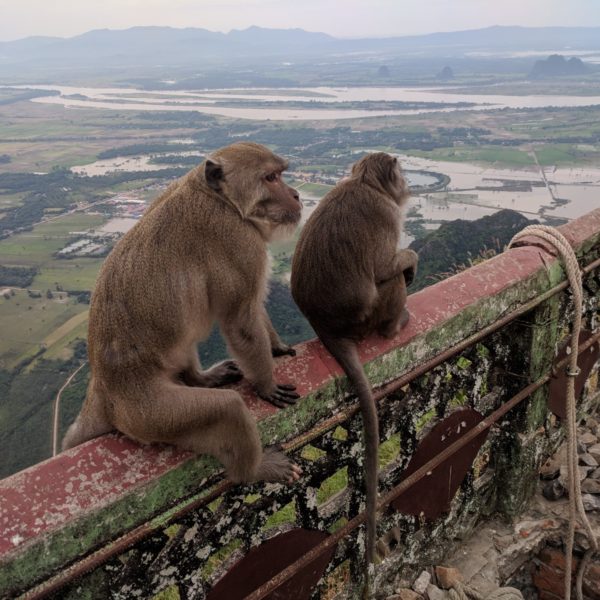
column 344, row 350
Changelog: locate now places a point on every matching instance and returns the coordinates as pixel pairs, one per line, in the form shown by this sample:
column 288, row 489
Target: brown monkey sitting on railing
column 198, row 255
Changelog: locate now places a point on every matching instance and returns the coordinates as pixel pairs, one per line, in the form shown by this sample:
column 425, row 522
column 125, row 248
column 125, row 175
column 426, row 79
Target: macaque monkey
column 349, row 279
column 198, row 255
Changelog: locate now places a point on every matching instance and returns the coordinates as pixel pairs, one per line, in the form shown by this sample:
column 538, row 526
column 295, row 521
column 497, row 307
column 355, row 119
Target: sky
column 340, row 18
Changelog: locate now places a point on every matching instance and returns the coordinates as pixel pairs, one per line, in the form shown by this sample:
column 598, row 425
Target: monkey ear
column 213, row 173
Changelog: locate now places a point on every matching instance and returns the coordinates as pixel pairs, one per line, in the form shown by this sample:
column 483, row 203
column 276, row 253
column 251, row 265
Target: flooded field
column 537, row 192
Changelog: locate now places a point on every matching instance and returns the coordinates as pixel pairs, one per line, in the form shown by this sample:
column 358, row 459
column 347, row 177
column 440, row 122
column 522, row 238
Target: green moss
column 311, row 453
column 463, row 363
column 424, row 419
column 172, row 531
column 171, row 593
column 482, row 351
column 341, row 522
column 252, row 498
column 218, row 557
column 286, row 514
column 340, row 434
column 389, row 450
column 459, row 399
column 214, row 505
column 332, row 485
column 484, row 387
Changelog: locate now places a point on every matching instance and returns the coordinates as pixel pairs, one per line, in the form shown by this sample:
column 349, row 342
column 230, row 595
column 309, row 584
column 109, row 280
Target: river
column 205, row 101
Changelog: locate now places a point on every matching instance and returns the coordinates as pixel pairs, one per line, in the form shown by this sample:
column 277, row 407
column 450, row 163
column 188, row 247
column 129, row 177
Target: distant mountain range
column 154, row 46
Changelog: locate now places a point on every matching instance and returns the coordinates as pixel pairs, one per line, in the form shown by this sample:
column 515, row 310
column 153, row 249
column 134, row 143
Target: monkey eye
column 272, row 177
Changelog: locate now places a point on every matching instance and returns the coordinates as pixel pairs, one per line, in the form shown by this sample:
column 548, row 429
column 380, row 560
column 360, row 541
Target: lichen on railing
column 139, row 522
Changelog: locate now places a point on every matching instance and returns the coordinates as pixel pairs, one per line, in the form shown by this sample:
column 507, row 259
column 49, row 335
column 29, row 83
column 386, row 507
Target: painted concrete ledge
column 62, row 509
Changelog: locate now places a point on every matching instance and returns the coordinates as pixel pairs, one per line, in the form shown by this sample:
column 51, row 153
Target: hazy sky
column 341, row 18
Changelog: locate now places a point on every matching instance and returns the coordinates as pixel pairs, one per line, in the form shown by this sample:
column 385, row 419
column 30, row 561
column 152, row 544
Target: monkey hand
column 282, row 395
column 408, row 260
column 283, row 350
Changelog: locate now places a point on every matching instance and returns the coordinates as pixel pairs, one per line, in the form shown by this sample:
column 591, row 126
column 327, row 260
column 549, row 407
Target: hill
column 457, row 243
column 558, row 66
column 140, row 46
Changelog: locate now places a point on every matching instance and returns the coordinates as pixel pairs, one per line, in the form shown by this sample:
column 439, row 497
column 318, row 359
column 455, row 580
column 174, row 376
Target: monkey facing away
column 198, row 255
column 349, row 279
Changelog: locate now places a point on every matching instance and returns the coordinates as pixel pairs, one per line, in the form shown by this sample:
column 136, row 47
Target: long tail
column 346, row 353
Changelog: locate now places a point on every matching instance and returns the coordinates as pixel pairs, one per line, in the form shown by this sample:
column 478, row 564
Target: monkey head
column 383, row 172
column 249, row 177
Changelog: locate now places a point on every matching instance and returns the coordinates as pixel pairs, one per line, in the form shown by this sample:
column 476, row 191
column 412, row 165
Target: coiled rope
column 460, row 591
column 576, row 508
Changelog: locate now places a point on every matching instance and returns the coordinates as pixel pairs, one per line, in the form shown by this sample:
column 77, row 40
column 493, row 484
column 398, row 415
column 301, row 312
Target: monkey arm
column 407, row 261
column 404, row 262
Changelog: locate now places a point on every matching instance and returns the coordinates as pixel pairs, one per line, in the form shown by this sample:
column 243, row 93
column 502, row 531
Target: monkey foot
column 276, row 466
column 282, row 350
column 391, row 329
column 223, row 373
column 283, row 395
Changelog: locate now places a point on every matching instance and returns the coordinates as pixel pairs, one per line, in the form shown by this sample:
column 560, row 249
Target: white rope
column 576, row 508
column 461, row 591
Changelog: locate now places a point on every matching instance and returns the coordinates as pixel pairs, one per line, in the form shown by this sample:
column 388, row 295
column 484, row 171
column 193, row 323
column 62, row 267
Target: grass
column 36, row 247
column 60, row 332
column 10, row 200
column 28, row 323
column 75, row 274
column 62, row 350
column 557, row 154
column 488, row 155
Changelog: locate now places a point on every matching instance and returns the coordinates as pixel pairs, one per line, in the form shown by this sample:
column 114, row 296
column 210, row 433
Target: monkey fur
column 197, row 256
column 349, row 279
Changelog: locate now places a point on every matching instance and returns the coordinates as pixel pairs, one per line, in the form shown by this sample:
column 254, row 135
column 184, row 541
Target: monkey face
column 249, row 176
column 281, row 203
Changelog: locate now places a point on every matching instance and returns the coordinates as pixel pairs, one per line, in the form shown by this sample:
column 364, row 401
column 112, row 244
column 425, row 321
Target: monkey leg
column 220, row 374
column 206, row 421
column 91, row 421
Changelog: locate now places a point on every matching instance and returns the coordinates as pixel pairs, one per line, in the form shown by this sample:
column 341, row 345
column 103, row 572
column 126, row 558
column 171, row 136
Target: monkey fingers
column 276, row 466
column 282, row 350
column 223, row 373
column 283, row 395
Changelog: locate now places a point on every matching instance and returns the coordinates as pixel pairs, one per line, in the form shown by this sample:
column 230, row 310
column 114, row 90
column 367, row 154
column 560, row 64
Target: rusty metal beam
column 407, row 483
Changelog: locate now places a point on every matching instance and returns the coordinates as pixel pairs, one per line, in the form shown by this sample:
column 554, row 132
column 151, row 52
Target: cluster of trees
column 26, row 398
column 17, row 276
column 19, row 96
